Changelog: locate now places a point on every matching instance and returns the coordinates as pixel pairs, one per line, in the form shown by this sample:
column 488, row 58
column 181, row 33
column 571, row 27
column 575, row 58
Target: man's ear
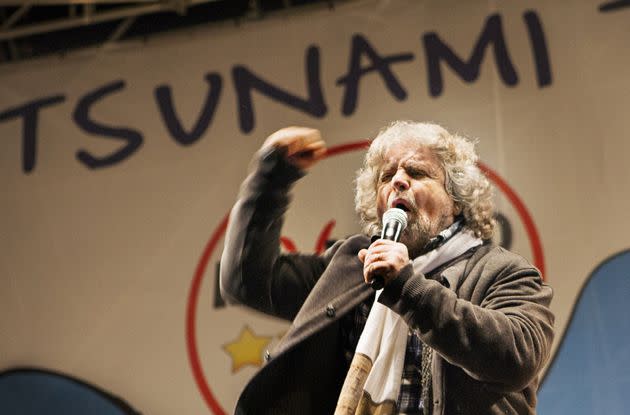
column 457, row 209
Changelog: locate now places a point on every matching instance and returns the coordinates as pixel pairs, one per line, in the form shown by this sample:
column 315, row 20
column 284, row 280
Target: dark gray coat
column 486, row 316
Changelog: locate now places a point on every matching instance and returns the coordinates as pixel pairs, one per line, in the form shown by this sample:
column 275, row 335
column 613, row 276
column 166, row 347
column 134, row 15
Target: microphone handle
column 378, row 282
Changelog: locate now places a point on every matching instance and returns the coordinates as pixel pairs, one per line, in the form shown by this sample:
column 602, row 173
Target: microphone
column 394, row 223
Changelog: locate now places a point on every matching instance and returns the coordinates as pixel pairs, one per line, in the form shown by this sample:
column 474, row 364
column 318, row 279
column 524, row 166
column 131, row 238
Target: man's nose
column 400, row 181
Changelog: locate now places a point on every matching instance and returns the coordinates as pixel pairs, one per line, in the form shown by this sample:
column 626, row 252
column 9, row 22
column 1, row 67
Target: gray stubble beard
column 418, row 234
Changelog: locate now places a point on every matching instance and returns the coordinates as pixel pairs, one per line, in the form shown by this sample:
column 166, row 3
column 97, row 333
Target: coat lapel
column 338, row 290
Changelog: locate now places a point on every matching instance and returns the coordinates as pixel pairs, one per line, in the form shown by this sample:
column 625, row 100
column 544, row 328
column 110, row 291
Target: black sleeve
column 253, row 272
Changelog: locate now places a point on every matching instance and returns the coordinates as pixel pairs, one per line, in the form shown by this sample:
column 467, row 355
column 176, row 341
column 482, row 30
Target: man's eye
column 416, row 173
column 385, row 177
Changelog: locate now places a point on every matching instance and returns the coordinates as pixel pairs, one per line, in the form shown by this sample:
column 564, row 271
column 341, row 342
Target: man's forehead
column 413, row 152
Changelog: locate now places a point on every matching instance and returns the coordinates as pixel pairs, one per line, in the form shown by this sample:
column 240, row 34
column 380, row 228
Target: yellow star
column 247, row 349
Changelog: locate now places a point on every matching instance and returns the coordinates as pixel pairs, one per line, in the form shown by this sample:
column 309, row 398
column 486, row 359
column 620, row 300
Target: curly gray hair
column 465, row 183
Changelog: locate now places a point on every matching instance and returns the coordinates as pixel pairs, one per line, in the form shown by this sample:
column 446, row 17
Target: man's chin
column 415, row 245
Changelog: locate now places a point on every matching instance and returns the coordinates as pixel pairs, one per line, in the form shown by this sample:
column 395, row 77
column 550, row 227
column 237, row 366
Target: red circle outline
column 193, row 294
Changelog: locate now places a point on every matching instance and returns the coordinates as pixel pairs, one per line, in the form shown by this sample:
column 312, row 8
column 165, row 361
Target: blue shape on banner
column 589, row 374
column 35, row 392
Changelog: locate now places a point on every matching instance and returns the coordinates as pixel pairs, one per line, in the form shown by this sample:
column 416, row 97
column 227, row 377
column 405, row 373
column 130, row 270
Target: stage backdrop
column 118, row 168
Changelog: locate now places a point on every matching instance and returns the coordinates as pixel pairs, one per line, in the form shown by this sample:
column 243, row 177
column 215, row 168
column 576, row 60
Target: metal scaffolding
column 122, row 14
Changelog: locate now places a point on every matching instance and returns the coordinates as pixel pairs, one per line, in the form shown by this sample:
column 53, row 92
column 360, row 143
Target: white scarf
column 373, row 381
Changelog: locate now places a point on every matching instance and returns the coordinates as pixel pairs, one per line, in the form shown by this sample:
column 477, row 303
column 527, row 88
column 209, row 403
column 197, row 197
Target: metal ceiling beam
column 17, row 15
column 68, row 2
column 93, row 17
column 120, row 30
column 85, row 13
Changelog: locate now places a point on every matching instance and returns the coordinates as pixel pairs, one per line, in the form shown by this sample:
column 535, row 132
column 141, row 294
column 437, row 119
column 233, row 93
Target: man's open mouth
column 401, row 204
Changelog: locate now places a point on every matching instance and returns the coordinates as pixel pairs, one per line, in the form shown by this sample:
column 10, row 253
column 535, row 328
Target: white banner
column 119, row 168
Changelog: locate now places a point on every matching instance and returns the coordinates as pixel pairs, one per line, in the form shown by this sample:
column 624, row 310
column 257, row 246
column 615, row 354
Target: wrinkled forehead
column 397, row 139
column 392, row 149
column 409, row 152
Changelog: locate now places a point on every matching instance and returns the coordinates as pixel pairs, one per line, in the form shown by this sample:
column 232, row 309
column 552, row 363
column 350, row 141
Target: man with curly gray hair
column 460, row 327
column 464, row 183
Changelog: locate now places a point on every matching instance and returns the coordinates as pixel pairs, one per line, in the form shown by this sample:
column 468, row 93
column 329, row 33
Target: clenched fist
column 384, row 258
column 304, row 146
